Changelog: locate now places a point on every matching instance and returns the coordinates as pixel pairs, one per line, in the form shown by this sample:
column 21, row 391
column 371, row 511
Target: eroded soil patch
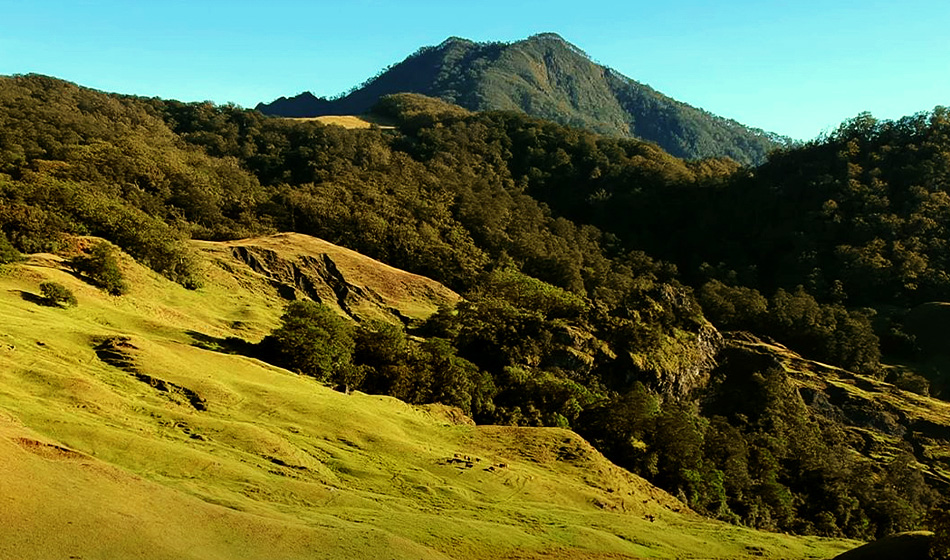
column 47, row 450
column 118, row 351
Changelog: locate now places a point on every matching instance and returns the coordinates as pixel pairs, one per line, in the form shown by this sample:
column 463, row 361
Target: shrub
column 56, row 294
column 8, row 253
column 101, row 266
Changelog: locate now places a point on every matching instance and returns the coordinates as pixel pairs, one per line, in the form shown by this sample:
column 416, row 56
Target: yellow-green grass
column 97, row 463
column 385, row 289
column 348, row 121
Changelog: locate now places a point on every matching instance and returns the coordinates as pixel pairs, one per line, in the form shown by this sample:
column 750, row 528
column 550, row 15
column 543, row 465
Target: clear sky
column 794, row 67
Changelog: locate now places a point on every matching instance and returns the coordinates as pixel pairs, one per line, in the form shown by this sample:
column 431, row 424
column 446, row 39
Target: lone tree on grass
column 56, row 294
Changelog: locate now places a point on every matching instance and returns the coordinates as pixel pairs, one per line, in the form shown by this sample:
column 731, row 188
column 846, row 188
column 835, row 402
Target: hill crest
column 354, row 285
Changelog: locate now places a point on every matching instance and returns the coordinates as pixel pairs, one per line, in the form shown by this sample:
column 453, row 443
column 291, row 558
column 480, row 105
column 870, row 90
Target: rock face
column 304, row 267
column 681, row 365
column 696, row 370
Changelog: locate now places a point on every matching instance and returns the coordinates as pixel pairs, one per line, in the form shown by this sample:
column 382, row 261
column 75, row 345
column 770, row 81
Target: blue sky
column 796, row 68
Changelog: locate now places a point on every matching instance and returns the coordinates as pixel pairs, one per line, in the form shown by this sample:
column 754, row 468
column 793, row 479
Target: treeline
column 549, row 233
column 850, row 229
column 80, row 162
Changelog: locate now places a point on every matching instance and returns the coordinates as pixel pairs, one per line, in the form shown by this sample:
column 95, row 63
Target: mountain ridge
column 548, row 77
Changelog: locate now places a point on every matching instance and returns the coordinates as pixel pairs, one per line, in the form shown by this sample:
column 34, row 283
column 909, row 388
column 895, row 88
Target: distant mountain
column 548, row 77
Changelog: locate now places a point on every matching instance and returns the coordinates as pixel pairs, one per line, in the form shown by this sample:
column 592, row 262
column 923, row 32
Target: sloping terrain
column 547, row 77
column 565, row 324
column 126, row 432
column 880, row 420
column 908, row 546
column 300, row 266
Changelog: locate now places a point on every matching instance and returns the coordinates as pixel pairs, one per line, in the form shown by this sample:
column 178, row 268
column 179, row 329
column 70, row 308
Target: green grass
column 96, row 463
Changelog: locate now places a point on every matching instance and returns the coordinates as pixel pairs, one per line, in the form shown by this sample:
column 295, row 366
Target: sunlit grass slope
column 126, row 433
column 352, row 284
column 348, row 121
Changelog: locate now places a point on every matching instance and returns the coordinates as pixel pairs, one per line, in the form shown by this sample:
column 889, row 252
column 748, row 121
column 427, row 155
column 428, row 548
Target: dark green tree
column 101, row 266
column 57, row 294
column 312, row 340
column 732, row 307
column 8, row 253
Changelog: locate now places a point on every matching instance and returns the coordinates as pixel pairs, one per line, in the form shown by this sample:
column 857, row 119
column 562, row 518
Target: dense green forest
column 547, row 77
column 598, row 272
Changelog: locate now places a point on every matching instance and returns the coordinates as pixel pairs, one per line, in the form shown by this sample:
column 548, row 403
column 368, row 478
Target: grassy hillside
column 124, row 433
column 568, row 320
column 354, row 285
column 348, row 121
column 547, row 77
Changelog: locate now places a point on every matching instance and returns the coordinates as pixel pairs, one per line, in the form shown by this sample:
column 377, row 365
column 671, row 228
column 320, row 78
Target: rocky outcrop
column 682, row 363
column 695, row 371
column 316, row 278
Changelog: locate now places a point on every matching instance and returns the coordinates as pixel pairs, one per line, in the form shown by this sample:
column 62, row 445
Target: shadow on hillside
column 228, row 345
column 33, row 298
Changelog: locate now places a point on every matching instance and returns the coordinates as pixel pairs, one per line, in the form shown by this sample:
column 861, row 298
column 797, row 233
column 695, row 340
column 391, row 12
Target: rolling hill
column 548, row 77
column 127, row 429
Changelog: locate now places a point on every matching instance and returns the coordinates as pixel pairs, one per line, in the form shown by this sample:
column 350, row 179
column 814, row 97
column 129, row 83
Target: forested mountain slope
column 545, row 76
column 553, row 236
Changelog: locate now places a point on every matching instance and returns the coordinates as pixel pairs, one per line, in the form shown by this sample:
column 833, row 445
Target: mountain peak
column 544, row 37
column 453, row 40
column 550, row 39
column 546, row 76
